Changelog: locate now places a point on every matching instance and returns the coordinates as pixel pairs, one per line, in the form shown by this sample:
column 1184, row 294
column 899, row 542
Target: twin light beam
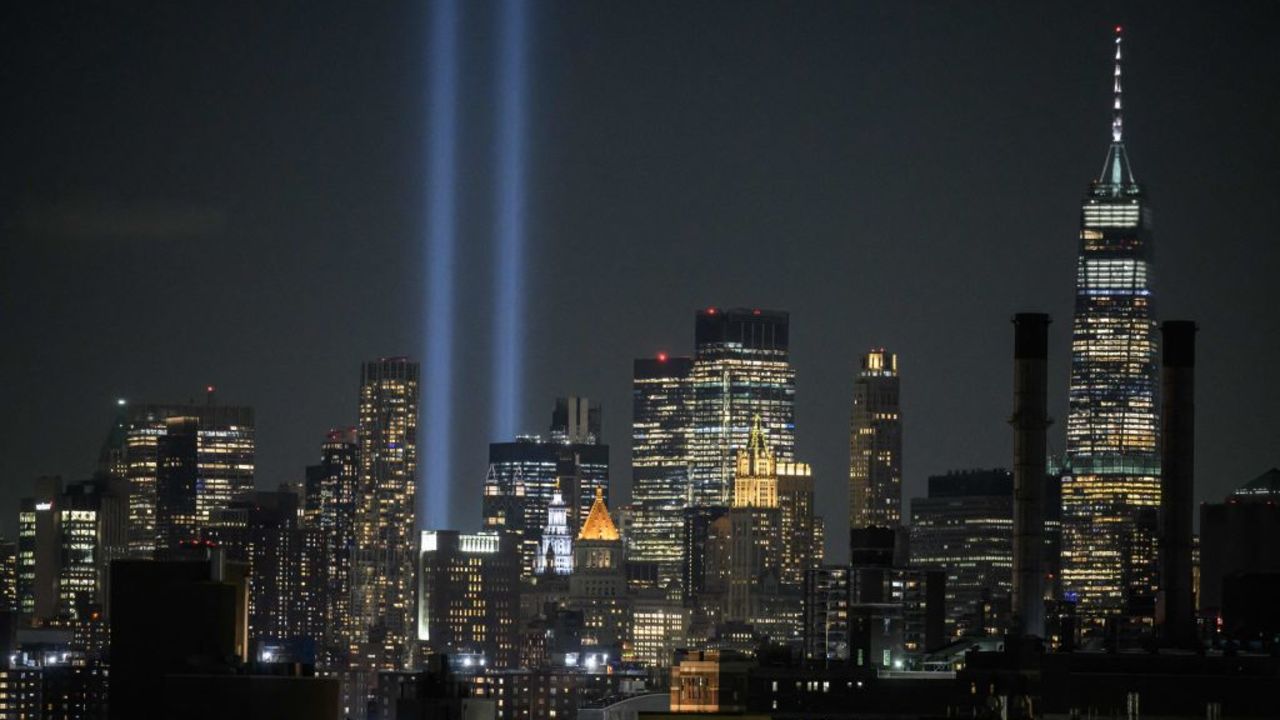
column 507, row 331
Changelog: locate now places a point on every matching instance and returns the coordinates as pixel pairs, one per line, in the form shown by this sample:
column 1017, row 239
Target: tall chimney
column 1177, row 460
column 1030, row 422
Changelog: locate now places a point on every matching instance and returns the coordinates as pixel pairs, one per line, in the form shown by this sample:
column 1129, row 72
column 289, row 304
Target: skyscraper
column 92, row 520
column 875, row 444
column 1112, row 489
column 262, row 530
column 383, row 587
column 965, row 527
column 330, row 507
column 525, row 474
column 215, row 466
column 741, row 369
column 661, row 422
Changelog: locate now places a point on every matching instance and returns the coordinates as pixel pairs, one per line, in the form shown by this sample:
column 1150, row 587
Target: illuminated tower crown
column 555, row 553
column 756, row 482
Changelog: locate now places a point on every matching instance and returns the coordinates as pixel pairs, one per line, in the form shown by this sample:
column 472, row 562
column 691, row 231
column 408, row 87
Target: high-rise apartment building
column 875, row 444
column 383, row 566
column 1112, row 488
column 209, row 461
column 330, row 508
column 661, row 425
column 264, row 531
column 741, row 370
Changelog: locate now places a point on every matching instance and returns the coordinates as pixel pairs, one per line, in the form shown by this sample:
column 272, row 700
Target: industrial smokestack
column 1030, row 422
column 1177, row 459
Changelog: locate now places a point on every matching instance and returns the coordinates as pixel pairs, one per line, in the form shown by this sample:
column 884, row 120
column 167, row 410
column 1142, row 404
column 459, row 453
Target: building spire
column 1117, row 114
column 1116, row 173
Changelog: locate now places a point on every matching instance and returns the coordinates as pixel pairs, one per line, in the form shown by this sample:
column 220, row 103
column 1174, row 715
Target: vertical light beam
column 442, row 58
column 508, row 335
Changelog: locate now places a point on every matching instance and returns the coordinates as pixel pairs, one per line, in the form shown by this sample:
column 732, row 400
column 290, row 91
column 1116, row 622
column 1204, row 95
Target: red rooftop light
column 662, row 357
column 1119, row 29
column 711, row 311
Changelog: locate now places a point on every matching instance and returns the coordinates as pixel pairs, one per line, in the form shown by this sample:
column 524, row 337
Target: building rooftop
column 598, row 525
column 1266, row 484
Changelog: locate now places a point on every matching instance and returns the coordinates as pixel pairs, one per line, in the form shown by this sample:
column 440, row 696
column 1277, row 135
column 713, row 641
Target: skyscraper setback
column 1112, row 490
column 742, row 368
column 875, row 444
column 383, row 587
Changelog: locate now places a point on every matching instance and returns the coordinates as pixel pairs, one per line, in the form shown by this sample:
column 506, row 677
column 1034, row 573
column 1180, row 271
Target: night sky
column 228, row 194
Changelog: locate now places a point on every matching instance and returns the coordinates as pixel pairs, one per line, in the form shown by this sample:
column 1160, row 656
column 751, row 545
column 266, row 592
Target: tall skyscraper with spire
column 1112, row 492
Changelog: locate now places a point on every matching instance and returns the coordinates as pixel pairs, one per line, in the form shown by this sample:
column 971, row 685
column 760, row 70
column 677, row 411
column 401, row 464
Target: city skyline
column 767, row 268
column 299, row 382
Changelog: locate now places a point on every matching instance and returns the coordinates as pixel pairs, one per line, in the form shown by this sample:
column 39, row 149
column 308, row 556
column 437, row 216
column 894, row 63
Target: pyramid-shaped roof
column 1268, row 483
column 598, row 525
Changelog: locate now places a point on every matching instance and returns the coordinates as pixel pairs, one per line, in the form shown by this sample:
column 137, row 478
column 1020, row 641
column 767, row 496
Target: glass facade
column 223, row 464
column 742, row 369
column 661, row 420
column 1112, row 489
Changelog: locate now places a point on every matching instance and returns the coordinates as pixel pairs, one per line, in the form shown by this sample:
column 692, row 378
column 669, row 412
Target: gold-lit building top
column 598, row 525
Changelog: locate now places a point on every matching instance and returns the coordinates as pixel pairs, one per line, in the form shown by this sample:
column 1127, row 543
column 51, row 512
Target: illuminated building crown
column 598, row 525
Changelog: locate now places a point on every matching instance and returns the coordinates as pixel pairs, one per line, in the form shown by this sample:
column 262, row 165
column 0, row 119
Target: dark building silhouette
column 179, row 645
column 1240, row 549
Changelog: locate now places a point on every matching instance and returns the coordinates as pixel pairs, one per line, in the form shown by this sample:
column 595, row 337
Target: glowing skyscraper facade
column 1112, row 490
column 209, row 453
column 742, row 369
column 661, row 421
column 875, row 444
column 383, row 587
column 330, row 510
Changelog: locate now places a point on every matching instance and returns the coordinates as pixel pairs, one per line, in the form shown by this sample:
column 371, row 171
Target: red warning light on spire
column 662, row 357
column 1119, row 29
column 209, row 388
